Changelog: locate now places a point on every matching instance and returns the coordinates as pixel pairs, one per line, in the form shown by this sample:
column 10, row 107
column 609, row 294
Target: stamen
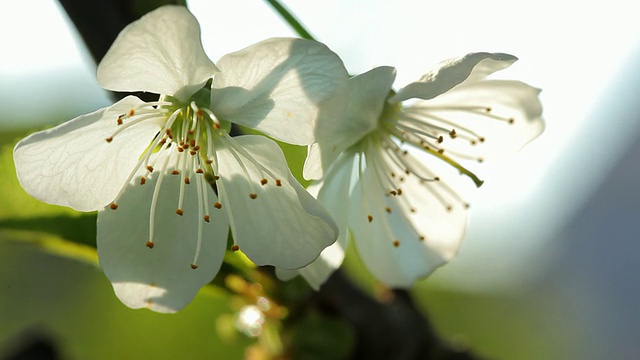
column 154, row 200
column 235, row 247
column 202, row 214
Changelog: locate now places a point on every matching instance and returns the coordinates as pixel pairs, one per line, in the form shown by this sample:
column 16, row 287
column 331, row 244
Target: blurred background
column 549, row 267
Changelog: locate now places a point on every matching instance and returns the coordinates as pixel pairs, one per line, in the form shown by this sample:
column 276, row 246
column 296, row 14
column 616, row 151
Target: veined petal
column 73, row 165
column 366, row 98
column 403, row 237
column 161, row 278
column 279, row 86
column 160, row 53
column 453, row 72
column 273, row 219
column 491, row 118
column 333, row 193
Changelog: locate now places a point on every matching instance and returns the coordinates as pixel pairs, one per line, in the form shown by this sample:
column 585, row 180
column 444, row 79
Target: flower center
column 184, row 146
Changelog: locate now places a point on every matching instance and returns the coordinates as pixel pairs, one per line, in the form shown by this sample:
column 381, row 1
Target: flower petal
column 453, row 72
column 73, row 165
column 366, row 98
column 280, row 223
column 333, row 193
column 279, row 86
column 404, row 237
column 491, row 118
column 160, row 278
column 160, row 53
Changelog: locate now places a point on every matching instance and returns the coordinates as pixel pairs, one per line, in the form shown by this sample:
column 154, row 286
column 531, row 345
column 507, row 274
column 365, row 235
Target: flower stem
column 290, row 19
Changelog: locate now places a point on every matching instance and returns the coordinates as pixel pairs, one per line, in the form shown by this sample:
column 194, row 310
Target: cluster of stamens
column 193, row 132
column 425, row 129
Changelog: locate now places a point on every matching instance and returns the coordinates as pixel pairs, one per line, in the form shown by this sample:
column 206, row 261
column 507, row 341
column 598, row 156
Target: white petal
column 279, row 86
column 366, row 98
column 407, row 235
column 514, row 118
column 453, row 72
column 160, row 53
column 160, row 278
column 333, row 193
column 73, row 165
column 284, row 225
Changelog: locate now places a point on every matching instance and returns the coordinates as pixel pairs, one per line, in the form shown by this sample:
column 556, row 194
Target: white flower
column 166, row 177
column 381, row 162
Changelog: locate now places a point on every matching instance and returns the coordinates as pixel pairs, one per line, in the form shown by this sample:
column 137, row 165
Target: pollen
column 396, row 243
column 119, row 121
column 207, row 218
column 235, row 247
column 511, row 120
column 421, row 238
column 179, row 212
column 109, row 139
column 175, row 172
column 150, row 168
column 263, row 181
column 453, row 133
column 253, row 196
column 199, row 171
column 193, row 152
column 193, row 266
column 131, row 112
column 278, row 182
column 388, row 210
column 150, row 244
column 217, row 205
column 113, row 206
column 440, row 139
column 370, row 218
column 187, row 181
column 143, row 180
